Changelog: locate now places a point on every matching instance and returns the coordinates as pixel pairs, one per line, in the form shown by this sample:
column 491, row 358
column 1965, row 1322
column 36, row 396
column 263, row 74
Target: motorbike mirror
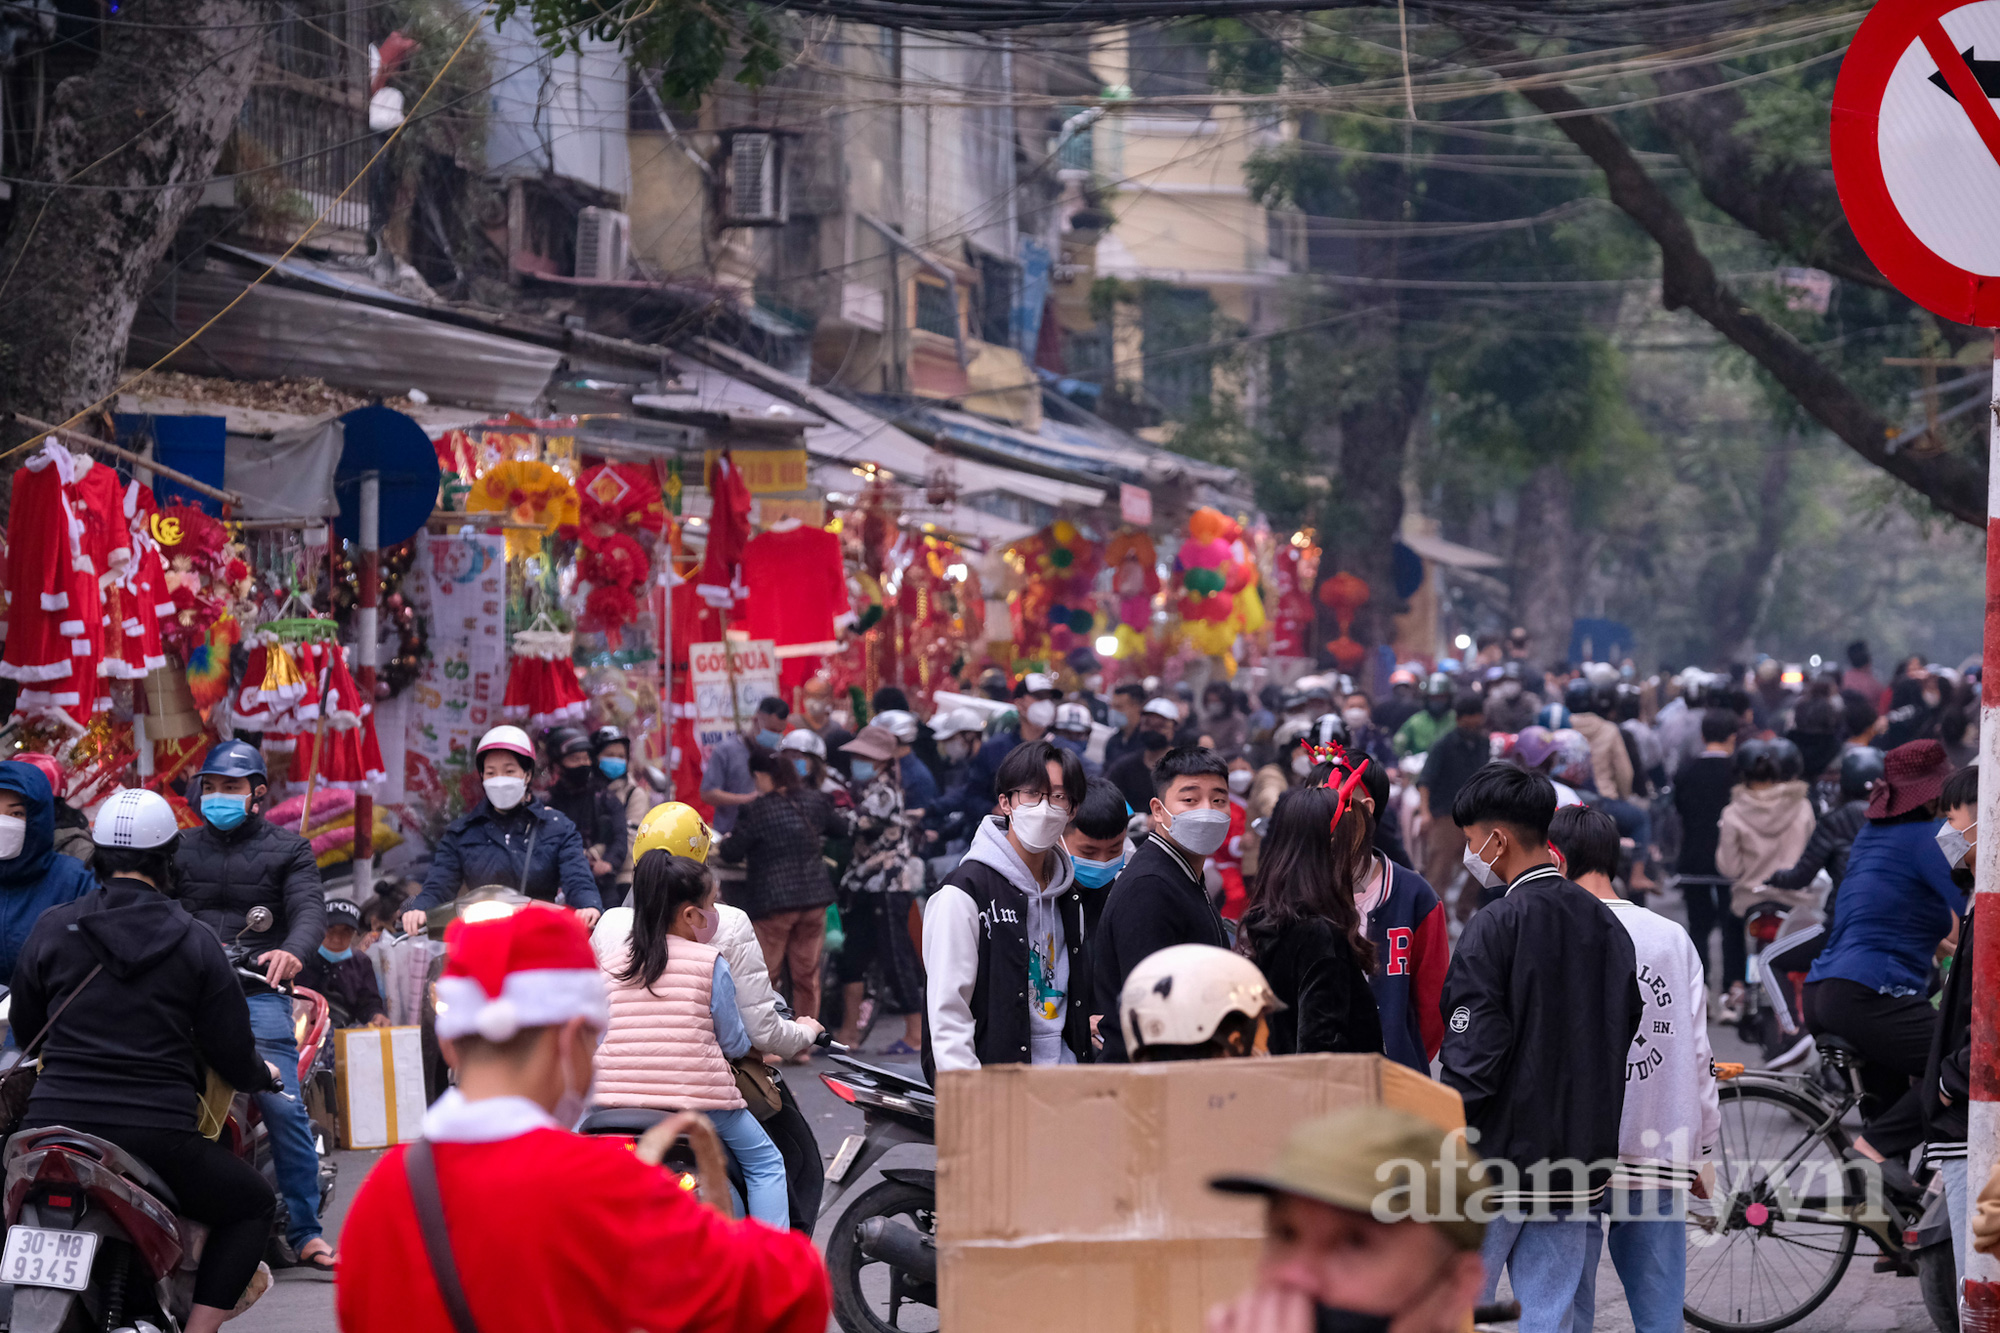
column 258, row 919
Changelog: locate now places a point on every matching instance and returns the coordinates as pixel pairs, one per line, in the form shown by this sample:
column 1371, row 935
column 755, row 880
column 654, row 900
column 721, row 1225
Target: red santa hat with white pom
column 531, row 969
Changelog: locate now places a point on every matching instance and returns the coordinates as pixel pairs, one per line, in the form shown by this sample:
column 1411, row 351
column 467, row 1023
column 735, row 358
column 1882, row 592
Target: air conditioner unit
column 603, row 244
column 754, row 180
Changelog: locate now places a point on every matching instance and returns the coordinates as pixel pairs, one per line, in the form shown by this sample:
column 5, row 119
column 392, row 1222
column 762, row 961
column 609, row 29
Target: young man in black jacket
column 1540, row 1004
column 1159, row 899
column 1004, row 934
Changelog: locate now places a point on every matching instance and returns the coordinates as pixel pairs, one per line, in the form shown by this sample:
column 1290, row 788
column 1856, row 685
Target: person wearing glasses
column 1004, row 934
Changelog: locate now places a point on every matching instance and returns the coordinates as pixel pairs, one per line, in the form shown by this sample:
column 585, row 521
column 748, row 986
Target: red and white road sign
column 1916, row 151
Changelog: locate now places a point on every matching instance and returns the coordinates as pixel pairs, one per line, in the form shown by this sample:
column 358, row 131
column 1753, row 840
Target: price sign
column 752, row 667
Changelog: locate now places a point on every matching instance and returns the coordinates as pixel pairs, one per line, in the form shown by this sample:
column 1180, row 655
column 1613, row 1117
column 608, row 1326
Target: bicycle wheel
column 1758, row 1259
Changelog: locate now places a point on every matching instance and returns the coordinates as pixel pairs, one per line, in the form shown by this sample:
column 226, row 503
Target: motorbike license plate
column 41, row 1257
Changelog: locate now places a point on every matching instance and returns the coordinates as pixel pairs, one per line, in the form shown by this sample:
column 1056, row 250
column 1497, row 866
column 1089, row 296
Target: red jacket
column 553, row 1230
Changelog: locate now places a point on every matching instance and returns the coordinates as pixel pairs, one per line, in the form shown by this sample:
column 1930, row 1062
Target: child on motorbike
column 341, row 972
column 675, row 1027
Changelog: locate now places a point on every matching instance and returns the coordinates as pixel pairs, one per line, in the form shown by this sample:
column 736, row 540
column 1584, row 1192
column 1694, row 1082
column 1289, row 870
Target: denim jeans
column 293, row 1153
column 1648, row 1244
column 1552, row 1264
column 763, row 1166
column 1953, row 1171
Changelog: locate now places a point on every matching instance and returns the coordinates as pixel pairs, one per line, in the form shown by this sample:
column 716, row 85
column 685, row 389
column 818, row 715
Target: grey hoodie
column 951, row 952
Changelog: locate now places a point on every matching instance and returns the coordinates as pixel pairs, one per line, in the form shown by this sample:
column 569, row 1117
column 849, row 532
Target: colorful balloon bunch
column 1218, row 583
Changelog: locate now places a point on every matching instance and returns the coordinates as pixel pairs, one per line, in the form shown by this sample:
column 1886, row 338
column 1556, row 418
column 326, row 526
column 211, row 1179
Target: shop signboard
column 713, row 668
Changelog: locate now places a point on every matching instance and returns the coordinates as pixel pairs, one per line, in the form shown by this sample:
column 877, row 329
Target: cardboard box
column 379, row 1085
column 1076, row 1197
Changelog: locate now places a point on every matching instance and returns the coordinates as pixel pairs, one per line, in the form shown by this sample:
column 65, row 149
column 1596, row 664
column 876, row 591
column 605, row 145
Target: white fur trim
column 538, row 997
column 55, row 601
column 69, row 629
column 27, row 673
column 489, row 1120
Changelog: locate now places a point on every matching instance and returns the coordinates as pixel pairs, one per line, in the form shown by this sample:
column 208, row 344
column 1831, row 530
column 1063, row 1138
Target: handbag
column 18, row 1083
column 758, row 1084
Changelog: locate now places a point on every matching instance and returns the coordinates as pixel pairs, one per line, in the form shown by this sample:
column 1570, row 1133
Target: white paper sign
column 711, row 667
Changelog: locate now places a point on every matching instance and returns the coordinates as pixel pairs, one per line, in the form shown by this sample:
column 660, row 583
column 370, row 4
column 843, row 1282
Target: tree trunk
column 153, row 112
column 1364, row 516
column 1545, row 566
column 1741, row 600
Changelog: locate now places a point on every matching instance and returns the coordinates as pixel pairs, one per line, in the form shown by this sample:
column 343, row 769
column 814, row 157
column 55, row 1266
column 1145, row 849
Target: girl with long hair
column 675, row 1026
column 1303, row 930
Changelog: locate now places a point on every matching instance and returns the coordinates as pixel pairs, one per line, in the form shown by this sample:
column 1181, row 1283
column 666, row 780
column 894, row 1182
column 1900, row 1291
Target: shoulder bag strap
column 70, row 999
column 421, row 1171
column 528, row 861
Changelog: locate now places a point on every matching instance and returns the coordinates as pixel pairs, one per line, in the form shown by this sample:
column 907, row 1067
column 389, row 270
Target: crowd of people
column 1455, row 875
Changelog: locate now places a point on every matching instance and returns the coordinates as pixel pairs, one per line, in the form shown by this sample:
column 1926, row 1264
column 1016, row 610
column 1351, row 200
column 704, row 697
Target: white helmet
column 1072, row 717
column 805, row 742
column 901, row 725
column 957, row 722
column 135, row 818
column 1180, row 995
column 512, row 740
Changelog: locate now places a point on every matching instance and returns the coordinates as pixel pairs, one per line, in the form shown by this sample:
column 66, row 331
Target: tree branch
column 1954, row 485
column 1793, row 206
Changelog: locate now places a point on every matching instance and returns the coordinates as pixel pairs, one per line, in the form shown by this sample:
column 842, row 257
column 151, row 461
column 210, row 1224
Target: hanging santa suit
column 107, row 540
column 350, row 757
column 542, row 689
column 277, row 696
column 720, row 583
column 695, row 621
column 137, row 604
column 51, row 590
column 797, row 590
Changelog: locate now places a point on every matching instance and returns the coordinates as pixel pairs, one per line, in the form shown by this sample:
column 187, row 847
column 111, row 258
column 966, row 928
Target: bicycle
column 1787, row 1206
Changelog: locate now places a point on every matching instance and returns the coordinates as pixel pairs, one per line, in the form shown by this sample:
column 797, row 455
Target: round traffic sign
column 1916, row 151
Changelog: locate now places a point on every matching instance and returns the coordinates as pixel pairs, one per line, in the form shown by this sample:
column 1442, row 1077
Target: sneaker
column 1732, row 1003
column 901, row 1047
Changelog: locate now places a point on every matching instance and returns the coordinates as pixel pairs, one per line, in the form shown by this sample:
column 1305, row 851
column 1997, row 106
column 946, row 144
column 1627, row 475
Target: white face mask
column 1037, row 826
column 13, row 832
column 1356, row 718
column 1240, row 780
column 574, row 1102
column 1198, row 831
column 1952, row 842
column 1486, row 876
column 505, row 793
column 1302, row 765
column 1041, row 713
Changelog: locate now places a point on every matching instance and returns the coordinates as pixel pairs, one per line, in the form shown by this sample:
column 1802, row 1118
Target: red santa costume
column 1228, row 860
column 798, row 597
column 54, row 627
column 136, row 600
column 720, row 582
column 548, row 1229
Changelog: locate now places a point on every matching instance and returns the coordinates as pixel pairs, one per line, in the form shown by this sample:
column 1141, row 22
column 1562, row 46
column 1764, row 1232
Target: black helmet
column 1860, row 769
column 1580, row 696
column 1791, row 764
column 566, row 741
column 1756, row 761
column 607, row 735
column 234, row 759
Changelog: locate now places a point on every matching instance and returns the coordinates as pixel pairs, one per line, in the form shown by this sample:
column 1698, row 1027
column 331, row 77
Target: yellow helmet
column 674, row 828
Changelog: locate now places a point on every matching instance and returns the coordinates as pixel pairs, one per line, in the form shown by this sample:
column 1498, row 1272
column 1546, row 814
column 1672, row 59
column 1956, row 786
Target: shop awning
column 855, row 436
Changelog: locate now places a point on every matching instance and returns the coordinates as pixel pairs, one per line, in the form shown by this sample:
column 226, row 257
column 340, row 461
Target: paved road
column 1865, row 1301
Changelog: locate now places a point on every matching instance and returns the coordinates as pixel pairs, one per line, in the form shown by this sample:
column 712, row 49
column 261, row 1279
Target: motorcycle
column 892, row 1225
column 94, row 1238
column 676, row 1155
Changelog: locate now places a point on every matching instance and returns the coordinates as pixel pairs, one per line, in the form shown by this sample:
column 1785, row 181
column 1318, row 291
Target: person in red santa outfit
column 545, row 1229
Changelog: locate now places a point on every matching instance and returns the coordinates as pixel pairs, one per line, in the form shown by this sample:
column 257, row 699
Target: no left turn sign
column 1916, row 151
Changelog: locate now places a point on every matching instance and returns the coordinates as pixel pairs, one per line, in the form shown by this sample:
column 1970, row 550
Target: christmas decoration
column 542, row 689
column 1214, row 573
column 621, row 497
column 1135, row 580
column 1054, row 610
column 611, row 573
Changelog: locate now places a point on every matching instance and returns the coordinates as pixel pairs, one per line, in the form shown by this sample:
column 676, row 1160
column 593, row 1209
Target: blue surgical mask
column 1096, row 874
column 611, row 768
column 863, row 769
column 769, row 739
column 333, row 957
column 803, row 767
column 225, row 812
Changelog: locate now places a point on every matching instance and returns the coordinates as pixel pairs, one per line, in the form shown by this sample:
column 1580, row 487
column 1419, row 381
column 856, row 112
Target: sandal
column 322, row 1261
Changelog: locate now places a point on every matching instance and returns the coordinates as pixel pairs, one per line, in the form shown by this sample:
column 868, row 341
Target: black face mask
column 573, row 779
column 1437, row 707
column 1333, row 1319
column 1155, row 741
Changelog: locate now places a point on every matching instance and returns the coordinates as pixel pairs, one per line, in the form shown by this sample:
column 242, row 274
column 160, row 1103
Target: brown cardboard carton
column 1076, row 1197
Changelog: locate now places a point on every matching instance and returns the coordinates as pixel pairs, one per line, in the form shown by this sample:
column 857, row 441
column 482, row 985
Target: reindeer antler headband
column 1334, row 754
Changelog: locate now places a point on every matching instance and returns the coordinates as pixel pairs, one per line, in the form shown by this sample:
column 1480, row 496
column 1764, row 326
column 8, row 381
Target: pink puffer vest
column 661, row 1051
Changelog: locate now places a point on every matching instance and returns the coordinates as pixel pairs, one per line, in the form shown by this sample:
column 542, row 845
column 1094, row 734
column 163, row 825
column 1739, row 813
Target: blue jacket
column 920, row 788
column 39, row 878
column 1896, row 903
column 488, row 846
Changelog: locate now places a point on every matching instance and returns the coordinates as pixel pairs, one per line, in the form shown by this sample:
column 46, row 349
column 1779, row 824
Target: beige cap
column 1352, row 1158
column 873, row 743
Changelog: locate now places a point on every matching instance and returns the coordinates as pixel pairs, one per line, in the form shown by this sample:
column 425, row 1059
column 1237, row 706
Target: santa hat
column 531, row 969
